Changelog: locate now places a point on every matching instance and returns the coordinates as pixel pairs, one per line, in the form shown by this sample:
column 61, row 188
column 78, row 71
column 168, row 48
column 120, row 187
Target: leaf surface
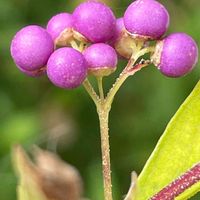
column 177, row 150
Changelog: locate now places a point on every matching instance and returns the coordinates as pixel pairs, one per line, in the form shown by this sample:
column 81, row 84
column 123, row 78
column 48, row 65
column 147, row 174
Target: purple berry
column 146, row 18
column 31, row 48
column 95, row 21
column 58, row 23
column 122, row 41
column 119, row 27
column 101, row 59
column 35, row 73
column 176, row 55
column 67, row 68
column 118, row 30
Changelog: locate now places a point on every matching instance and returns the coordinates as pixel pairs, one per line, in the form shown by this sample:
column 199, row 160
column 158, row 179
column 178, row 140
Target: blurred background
column 33, row 111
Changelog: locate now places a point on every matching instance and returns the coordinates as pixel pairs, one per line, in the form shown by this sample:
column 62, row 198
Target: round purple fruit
column 101, row 59
column 119, row 28
column 34, row 73
column 147, row 19
column 176, row 55
column 58, row 23
column 95, row 21
column 67, row 68
column 122, row 41
column 31, row 48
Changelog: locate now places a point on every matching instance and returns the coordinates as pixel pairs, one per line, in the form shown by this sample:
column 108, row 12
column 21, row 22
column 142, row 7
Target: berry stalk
column 100, row 85
column 105, row 149
column 90, row 90
column 103, row 113
column 129, row 70
column 103, row 109
column 104, row 106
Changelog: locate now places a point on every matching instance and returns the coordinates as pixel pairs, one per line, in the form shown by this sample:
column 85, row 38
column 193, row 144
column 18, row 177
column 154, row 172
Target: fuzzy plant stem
column 103, row 113
column 105, row 150
column 103, row 105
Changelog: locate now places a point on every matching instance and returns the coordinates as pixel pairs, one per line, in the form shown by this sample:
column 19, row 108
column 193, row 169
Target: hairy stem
column 105, row 149
column 123, row 76
column 129, row 70
column 100, row 86
column 103, row 108
column 140, row 53
column 91, row 92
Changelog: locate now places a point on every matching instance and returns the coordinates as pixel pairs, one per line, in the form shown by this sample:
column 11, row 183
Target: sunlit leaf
column 190, row 192
column 176, row 152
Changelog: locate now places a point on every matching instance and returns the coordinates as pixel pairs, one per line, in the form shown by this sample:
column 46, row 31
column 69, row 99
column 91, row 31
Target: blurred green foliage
column 34, row 111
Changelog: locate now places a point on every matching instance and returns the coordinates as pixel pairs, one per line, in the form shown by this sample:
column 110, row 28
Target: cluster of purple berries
column 93, row 26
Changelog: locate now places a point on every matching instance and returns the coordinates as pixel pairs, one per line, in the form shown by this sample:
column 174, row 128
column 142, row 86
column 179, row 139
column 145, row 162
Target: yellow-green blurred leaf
column 28, row 187
column 49, row 178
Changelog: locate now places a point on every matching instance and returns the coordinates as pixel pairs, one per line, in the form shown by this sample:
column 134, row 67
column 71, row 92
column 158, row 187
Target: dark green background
column 33, row 111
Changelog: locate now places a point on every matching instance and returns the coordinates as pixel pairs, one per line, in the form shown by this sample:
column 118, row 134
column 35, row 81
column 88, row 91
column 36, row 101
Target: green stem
column 100, row 86
column 91, row 92
column 103, row 108
column 133, row 188
column 105, row 149
column 74, row 45
column 143, row 52
column 109, row 99
column 126, row 73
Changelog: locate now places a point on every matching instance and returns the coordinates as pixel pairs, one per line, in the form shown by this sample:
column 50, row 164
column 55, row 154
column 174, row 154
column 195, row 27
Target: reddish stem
column 179, row 185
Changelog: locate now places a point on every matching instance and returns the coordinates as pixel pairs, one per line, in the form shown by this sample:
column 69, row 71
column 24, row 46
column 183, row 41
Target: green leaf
column 177, row 150
column 190, row 192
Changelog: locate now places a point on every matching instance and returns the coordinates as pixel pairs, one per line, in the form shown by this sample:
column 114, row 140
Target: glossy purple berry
column 101, row 59
column 119, row 28
column 31, row 48
column 122, row 42
column 146, row 18
column 58, row 23
column 176, row 55
column 34, row 73
column 95, row 21
column 67, row 68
